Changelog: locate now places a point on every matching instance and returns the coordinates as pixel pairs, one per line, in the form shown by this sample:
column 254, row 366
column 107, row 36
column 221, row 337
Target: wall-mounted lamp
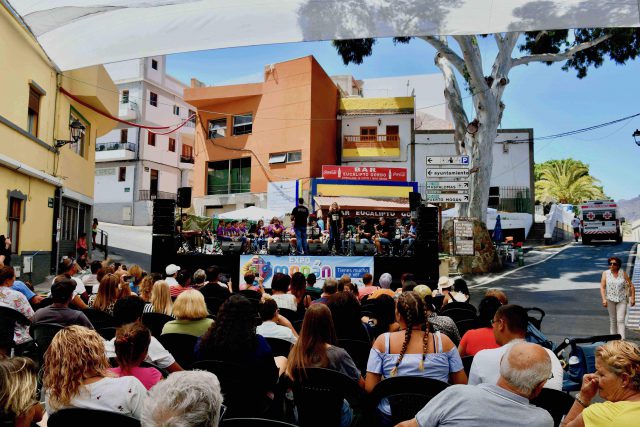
column 76, row 130
column 636, row 137
column 379, row 122
column 473, row 127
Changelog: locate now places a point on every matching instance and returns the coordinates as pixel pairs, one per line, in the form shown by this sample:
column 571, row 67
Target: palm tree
column 566, row 181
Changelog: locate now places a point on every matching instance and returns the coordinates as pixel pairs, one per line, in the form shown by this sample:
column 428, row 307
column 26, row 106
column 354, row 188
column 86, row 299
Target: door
column 153, row 184
column 368, row 134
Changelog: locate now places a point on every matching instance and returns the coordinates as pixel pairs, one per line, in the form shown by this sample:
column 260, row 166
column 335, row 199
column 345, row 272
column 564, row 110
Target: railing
column 110, row 146
column 373, row 141
column 103, row 242
column 228, row 189
column 186, row 159
column 515, row 199
column 148, row 195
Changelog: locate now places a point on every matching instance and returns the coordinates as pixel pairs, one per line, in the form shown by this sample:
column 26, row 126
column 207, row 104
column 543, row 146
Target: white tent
column 252, row 213
column 79, row 33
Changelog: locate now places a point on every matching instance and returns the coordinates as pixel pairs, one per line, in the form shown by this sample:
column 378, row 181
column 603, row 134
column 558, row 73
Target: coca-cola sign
column 364, row 173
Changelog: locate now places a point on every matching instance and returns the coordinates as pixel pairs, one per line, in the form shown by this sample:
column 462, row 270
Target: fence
column 149, row 195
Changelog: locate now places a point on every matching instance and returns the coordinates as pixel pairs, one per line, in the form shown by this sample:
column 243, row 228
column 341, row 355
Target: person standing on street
column 94, row 232
column 575, row 223
column 617, row 292
column 299, row 216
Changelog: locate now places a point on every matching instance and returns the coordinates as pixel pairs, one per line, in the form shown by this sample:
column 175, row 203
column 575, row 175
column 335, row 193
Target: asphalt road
column 566, row 287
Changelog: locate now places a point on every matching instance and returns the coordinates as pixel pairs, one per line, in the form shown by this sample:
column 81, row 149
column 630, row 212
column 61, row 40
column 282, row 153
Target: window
column 187, row 151
column 154, row 64
column 124, row 135
column 393, row 130
column 153, row 99
column 122, row 174
column 368, row 133
column 15, row 208
column 151, row 138
column 33, row 111
column 217, row 128
column 294, row 156
column 172, row 145
column 153, row 183
column 79, row 147
column 290, row 157
column 176, row 110
column 69, row 221
column 192, row 114
column 125, row 96
column 242, row 125
column 229, row 176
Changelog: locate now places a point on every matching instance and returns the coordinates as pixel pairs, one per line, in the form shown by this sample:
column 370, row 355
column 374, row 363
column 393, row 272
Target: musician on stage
column 336, row 226
column 383, row 234
column 180, row 223
column 275, row 231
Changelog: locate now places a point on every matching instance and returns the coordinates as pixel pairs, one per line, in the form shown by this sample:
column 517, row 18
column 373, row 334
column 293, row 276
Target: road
column 566, row 287
column 129, row 245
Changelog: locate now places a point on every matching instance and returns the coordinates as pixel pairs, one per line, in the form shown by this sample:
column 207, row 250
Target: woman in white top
column 76, row 374
column 617, row 291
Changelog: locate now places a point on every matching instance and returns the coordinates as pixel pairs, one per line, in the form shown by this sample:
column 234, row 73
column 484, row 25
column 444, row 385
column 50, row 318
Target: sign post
column 463, row 237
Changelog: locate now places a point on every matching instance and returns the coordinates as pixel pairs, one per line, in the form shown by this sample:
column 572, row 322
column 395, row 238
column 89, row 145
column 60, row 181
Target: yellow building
column 46, row 192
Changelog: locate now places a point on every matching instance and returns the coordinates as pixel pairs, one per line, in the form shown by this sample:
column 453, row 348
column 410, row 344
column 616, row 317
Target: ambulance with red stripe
column 600, row 221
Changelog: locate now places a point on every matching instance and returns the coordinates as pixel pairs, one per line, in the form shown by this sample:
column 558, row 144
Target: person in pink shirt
column 131, row 345
column 368, row 287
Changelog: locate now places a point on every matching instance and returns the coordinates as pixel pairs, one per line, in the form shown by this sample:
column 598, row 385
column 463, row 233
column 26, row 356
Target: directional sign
column 448, row 160
column 447, row 185
column 447, row 198
column 447, row 173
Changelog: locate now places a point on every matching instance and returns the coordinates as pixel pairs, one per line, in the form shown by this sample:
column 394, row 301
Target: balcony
column 128, row 110
column 149, row 195
column 186, row 162
column 114, row 151
column 356, row 146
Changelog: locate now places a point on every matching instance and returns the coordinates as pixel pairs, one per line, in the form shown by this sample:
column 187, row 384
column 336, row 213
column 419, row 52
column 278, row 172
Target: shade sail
column 252, row 213
column 78, row 33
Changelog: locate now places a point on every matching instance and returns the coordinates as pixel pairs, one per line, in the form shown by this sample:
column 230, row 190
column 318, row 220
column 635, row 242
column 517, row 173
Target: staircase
column 633, row 319
column 536, row 234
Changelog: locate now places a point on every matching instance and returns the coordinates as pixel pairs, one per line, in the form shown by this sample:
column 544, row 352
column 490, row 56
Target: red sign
column 364, row 173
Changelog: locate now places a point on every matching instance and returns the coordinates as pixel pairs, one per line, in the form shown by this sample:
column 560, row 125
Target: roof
column 373, row 106
column 376, row 204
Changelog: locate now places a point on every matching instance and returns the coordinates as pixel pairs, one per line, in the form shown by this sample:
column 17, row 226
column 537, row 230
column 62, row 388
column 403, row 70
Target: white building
column 133, row 165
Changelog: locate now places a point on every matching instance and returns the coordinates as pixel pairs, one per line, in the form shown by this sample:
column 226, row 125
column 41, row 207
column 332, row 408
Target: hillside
column 629, row 209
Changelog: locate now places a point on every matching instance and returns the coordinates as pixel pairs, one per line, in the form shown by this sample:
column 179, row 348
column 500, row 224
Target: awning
column 365, row 207
column 79, row 33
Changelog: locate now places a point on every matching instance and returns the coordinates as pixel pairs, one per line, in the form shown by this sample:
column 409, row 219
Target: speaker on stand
column 184, row 197
column 426, row 230
column 231, row 248
column 164, row 216
column 279, row 248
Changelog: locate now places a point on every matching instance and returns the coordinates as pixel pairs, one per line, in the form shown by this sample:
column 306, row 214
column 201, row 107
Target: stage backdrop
column 322, row 266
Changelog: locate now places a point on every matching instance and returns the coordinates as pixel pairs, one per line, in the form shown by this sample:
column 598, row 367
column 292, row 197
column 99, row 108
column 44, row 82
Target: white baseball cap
column 172, row 269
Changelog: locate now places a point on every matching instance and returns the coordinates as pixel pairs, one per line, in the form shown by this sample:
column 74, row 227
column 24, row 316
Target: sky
column 541, row 97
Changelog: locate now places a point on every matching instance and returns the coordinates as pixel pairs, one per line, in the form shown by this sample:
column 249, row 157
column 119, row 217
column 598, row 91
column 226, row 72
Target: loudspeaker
column 415, row 200
column 279, row 248
column 231, row 248
column 364, row 249
column 184, row 197
column 427, row 224
column 163, row 252
column 318, row 249
column 164, row 220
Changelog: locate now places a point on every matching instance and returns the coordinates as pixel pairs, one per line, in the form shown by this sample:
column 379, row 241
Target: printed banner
column 266, row 266
column 363, row 173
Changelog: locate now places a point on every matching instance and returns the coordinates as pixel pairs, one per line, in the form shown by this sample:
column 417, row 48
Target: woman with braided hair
column 413, row 351
column 132, row 344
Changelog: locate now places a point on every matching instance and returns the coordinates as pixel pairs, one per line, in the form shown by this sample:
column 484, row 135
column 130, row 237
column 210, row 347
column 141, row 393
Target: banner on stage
column 266, row 266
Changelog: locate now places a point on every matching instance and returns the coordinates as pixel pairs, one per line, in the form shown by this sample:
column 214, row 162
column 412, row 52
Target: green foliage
column 565, row 181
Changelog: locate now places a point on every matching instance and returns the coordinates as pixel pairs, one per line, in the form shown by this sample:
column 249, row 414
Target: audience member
column 444, row 286
column 33, row 298
column 311, row 285
column 250, row 283
column 409, row 286
column 213, row 288
column 68, row 267
column 59, row 312
column 458, row 302
column 183, row 277
column 385, row 281
column 385, row 287
column 460, row 291
column 617, row 380
column 15, row 301
column 129, row 310
column 92, row 279
column 132, row 344
column 108, row 293
column 184, row 399
column 171, row 272
column 368, row 288
column 497, row 293
column 347, row 317
column 273, row 325
column 509, row 327
column 384, row 308
column 199, row 279
column 343, row 281
column 298, row 289
column 405, row 277
column 19, row 405
column 329, row 288
column 160, row 301
column 482, row 338
column 191, row 313
column 279, row 287
column 350, row 287
column 136, row 274
column 524, row 369
column 439, row 323
column 76, row 374
column 146, row 286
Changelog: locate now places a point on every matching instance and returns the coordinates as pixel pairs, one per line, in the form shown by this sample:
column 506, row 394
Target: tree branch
column 473, row 61
column 557, row 57
column 440, row 44
column 453, row 97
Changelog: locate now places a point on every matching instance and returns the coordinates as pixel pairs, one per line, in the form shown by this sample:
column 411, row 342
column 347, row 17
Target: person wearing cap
column 171, row 271
column 444, row 286
column 59, row 312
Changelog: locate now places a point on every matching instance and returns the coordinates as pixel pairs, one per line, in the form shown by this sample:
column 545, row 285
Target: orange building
column 251, row 134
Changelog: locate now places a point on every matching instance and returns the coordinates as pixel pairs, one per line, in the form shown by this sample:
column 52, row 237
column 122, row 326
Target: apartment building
column 248, row 135
column 136, row 165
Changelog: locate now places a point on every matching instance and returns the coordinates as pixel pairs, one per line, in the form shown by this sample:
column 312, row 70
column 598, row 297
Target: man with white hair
column 184, row 399
column 524, row 369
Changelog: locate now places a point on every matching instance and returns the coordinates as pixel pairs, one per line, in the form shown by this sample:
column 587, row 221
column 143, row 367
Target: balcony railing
column 371, row 141
column 148, row 195
column 186, row 159
column 110, row 146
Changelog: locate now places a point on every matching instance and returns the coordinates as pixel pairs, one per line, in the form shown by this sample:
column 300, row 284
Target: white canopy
column 252, row 213
column 79, row 33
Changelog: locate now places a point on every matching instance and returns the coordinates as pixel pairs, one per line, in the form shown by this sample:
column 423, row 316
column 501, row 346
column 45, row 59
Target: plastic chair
column 213, row 304
column 155, row 322
column 465, row 325
column 45, row 303
column 43, row 334
column 407, row 395
column 555, row 402
column 100, row 319
column 466, row 362
column 537, row 321
column 79, row 417
column 279, row 347
column 181, row 347
column 359, row 352
column 253, row 422
column 8, row 319
column 107, row 333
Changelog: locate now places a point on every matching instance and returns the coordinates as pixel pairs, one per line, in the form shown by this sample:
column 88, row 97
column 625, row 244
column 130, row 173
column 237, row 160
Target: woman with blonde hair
column 190, row 311
column 145, row 287
column 136, row 274
column 108, row 294
column 19, row 404
column 76, row 374
column 617, row 380
column 160, row 301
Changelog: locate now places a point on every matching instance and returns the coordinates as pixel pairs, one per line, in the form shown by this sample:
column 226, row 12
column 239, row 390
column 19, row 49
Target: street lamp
column 636, row 137
column 76, row 130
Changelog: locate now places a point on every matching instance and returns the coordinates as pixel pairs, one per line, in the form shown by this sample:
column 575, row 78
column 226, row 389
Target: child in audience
column 132, row 344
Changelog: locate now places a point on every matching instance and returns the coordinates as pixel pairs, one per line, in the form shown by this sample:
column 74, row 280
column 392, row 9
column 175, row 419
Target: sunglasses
column 613, row 263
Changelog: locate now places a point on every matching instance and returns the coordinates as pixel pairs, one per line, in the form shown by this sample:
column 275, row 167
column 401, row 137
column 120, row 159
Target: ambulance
column 600, row 221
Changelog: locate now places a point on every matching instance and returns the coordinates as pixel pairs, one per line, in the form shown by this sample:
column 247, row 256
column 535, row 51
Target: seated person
column 183, row 279
column 290, row 235
column 257, row 234
column 19, row 406
column 190, row 311
column 329, row 288
column 15, row 301
column 92, row 279
column 68, row 267
column 109, row 292
column 132, row 344
column 409, row 237
column 33, row 298
column 482, row 338
column 364, row 232
column 399, row 233
column 273, row 325
column 369, row 287
column 347, row 317
column 85, row 381
column 311, row 285
column 160, row 301
column 59, row 311
column 383, row 235
column 279, row 288
column 221, row 232
column 313, row 231
column 437, row 322
column 275, row 231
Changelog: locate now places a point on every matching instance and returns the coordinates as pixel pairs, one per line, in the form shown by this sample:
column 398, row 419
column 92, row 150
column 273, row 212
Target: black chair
column 253, row 422
column 181, row 347
column 359, row 352
column 100, row 319
column 45, row 303
column 8, row 319
column 535, row 315
column 279, row 347
column 465, row 325
column 407, row 395
column 43, row 334
column 325, row 389
column 555, row 402
column 155, row 322
column 297, row 325
column 466, row 362
column 290, row 315
column 77, row 417
column 213, row 304
column 107, row 333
